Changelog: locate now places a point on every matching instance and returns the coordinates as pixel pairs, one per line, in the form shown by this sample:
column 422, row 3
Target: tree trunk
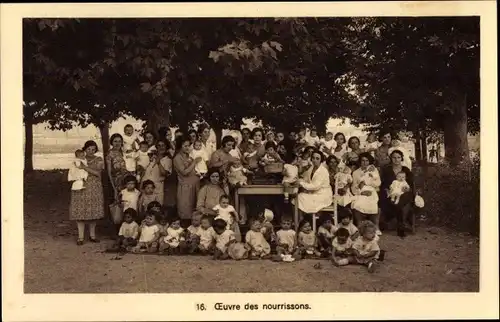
column 418, row 146
column 104, row 130
column 28, row 144
column 455, row 133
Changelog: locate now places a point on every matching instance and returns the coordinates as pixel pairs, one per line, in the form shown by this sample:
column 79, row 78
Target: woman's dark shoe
column 79, row 242
column 94, row 240
column 401, row 232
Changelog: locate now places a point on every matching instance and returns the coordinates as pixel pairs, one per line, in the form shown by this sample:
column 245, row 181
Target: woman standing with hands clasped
column 189, row 181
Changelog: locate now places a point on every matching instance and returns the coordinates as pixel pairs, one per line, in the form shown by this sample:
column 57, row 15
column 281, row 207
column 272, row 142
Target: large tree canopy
column 409, row 72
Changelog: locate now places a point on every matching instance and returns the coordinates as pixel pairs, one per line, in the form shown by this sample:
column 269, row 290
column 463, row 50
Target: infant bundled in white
column 198, row 152
column 237, row 173
column 398, row 187
column 130, row 140
column 77, row 175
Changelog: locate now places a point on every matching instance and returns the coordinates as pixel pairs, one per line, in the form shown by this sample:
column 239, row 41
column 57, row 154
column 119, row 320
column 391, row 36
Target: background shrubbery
column 452, row 195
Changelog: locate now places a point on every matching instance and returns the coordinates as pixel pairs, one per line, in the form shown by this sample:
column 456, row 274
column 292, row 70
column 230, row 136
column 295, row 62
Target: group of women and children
column 175, row 193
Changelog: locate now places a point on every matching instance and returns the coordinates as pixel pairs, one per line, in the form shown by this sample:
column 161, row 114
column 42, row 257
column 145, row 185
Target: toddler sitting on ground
column 226, row 212
column 285, row 240
column 290, row 178
column 345, row 221
column 326, row 233
column 259, row 247
column 365, row 248
column 237, row 175
column 175, row 240
column 307, row 241
column 148, row 235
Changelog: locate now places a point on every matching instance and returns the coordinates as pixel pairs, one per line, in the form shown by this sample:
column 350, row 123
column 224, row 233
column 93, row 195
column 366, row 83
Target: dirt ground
column 433, row 260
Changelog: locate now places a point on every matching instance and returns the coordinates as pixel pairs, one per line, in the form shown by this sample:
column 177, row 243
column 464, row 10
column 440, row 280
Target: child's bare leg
column 396, row 200
column 338, row 261
column 163, row 248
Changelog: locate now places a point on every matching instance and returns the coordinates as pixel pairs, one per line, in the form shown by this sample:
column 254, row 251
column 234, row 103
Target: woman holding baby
column 365, row 186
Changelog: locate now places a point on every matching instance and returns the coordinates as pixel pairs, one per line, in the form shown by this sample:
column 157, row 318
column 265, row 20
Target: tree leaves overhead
column 286, row 71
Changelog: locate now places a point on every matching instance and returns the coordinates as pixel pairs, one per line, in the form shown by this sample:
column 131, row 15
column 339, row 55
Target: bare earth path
column 433, row 260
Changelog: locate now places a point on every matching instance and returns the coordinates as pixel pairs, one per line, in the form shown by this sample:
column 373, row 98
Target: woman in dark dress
column 405, row 205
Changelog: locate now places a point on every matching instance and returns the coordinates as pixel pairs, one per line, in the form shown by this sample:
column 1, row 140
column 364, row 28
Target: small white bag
column 419, row 201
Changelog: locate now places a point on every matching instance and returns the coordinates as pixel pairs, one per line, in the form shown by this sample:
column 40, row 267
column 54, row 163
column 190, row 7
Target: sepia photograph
column 227, row 154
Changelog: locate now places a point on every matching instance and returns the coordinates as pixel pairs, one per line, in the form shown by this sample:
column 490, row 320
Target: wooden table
column 273, row 189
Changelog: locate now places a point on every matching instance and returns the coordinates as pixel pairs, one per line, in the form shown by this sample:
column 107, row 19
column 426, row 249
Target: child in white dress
column 77, row 175
column 259, row 247
column 198, row 152
column 129, row 230
column 285, row 240
column 175, row 239
column 307, row 241
column 398, row 187
column 130, row 195
column 226, row 212
column 237, row 175
column 148, row 235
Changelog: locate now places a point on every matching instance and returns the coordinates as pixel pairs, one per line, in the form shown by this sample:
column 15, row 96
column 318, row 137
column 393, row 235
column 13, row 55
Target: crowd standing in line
column 176, row 193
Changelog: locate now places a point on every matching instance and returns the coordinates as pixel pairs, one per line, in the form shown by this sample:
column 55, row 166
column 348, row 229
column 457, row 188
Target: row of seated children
column 344, row 244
